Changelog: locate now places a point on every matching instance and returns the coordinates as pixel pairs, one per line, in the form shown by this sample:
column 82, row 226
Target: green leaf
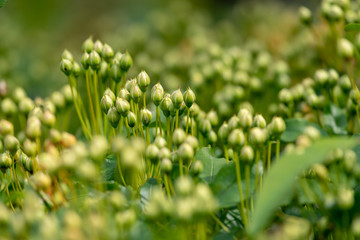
column 279, row 181
column 212, row 165
column 295, row 127
column 146, row 189
column 225, row 188
column 109, row 169
column 2, row 2
column 335, row 122
column 352, row 27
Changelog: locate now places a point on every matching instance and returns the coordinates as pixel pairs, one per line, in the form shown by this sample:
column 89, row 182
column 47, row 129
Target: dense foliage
column 212, row 139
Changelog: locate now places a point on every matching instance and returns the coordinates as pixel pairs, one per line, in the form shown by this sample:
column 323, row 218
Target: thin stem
column 167, row 188
column 168, row 132
column 97, row 100
column 226, row 154
column 119, row 169
column 181, row 167
column 187, row 120
column 147, row 136
column 277, row 149
column 92, row 112
column 144, row 99
column 247, row 182
column 127, row 128
column 177, row 118
column 238, row 178
column 217, row 220
column 269, row 156
column 257, row 159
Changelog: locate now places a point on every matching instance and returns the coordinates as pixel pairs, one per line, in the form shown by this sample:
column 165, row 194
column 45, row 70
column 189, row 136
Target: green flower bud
column 118, row 144
column 104, row 71
column 113, row 117
column 8, row 107
column 349, row 160
column 67, row 55
column 345, row 48
column 189, row 97
column 194, row 110
column 125, row 62
column 182, row 108
column 131, row 119
column 246, row 120
column 166, row 165
column 305, row 15
column 236, row 138
column 146, row 117
column 224, row 132
column 115, row 73
column 355, row 226
column 48, row 119
column 192, row 141
column 135, row 93
column 130, row 84
column 345, row 83
column 98, row 47
column 143, row 80
column 41, row 180
column 85, row 60
column 76, row 69
column 88, row 45
column 107, row 53
column 94, row 60
column 33, row 128
column 205, row 126
column 321, row 77
column 26, row 105
column 58, row 100
column 179, row 136
column 247, row 154
column 19, row 94
column 106, row 103
column 212, row 137
column 259, row 121
column 124, row 94
column 157, row 97
column 98, row 148
column 5, row 161
column 164, row 153
column 30, row 147
column 177, row 98
column 6, row 127
column 66, row 67
column 332, row 12
column 234, row 123
column 66, row 92
column 333, row 77
column 26, row 162
column 11, row 143
column 314, row 101
column 160, row 142
column 166, row 106
column 345, row 198
column 157, row 87
column 312, row 132
column 213, row 118
column 257, row 137
column 355, row 96
column 184, row 186
column 55, row 136
column 197, row 167
column 285, row 96
column 110, row 94
column 186, row 152
column 277, row 127
column 122, row 106
column 152, row 153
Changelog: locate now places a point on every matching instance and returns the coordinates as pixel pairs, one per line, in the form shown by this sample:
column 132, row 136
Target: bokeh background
column 34, row 33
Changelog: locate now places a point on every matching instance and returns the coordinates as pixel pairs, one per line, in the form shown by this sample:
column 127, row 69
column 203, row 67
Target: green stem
column 238, row 178
column 177, row 118
column 247, row 182
column 168, row 132
column 277, row 149
column 187, row 120
column 269, row 155
column 147, row 136
column 167, row 188
column 92, row 112
column 144, row 97
column 97, row 100
column 181, row 167
column 127, row 128
column 257, row 159
column 119, row 169
column 226, row 154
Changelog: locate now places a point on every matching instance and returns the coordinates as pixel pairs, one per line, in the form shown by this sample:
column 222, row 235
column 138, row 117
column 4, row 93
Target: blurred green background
column 33, row 34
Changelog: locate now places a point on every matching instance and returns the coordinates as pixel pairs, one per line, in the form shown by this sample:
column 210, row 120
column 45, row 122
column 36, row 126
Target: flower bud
column 345, row 198
column 259, row 121
column 152, row 153
column 186, row 152
column 205, row 126
column 166, row 106
column 66, row 67
column 236, row 138
column 166, row 165
column 58, row 100
column 246, row 120
column 305, row 16
column 125, row 62
column 312, row 132
column 136, row 93
column 234, row 123
column 104, row 71
column 107, row 53
column 55, row 136
column 189, row 97
column 41, row 180
column 48, row 119
column 177, row 98
column 76, row 70
column 115, row 73
column 355, row 96
column 30, row 147
column 8, row 107
column 257, row 137
column 184, row 186
column 11, row 143
column 349, row 160
column 164, row 153
column 94, row 60
column 345, row 48
column 88, row 45
column 33, row 128
column 345, row 83
column 213, row 118
column 124, row 94
column 26, row 162
column 143, row 80
column 67, row 140
column 98, row 47
column 285, row 96
column 85, row 60
column 157, row 96
column 178, row 136
column 277, row 127
column 192, row 141
column 194, row 110
column 197, row 167
column 146, row 117
column 98, row 148
column 66, row 92
column 122, row 106
column 6, row 127
column 106, row 103
column 224, row 132
column 110, row 94
column 130, row 84
column 26, row 105
column 113, row 117
column 247, row 154
column 131, row 119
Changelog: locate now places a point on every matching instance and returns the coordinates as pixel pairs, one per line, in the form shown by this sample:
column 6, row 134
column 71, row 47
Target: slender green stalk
column 119, row 169
column 181, row 167
column 147, row 136
column 187, row 120
column 144, row 97
column 247, row 182
column 238, row 178
column 127, row 128
column 92, row 112
column 277, row 149
column 226, row 154
column 269, row 155
column 167, row 187
column 177, row 118
column 168, row 132
column 257, row 159
column 97, row 100
column 192, row 128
